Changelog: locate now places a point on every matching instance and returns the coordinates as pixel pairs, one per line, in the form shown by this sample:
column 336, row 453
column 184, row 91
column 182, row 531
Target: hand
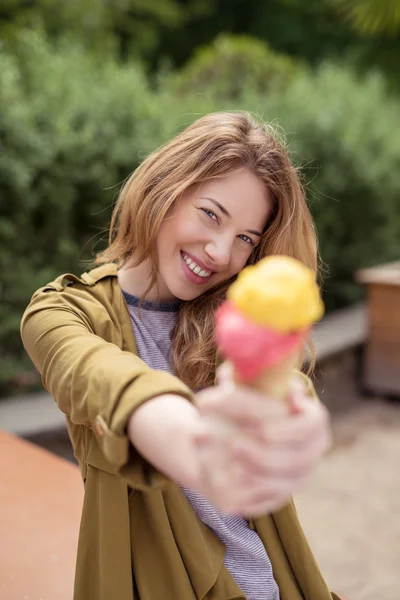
column 271, row 451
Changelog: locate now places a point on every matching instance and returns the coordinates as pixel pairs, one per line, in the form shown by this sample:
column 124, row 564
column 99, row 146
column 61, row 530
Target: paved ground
column 351, row 509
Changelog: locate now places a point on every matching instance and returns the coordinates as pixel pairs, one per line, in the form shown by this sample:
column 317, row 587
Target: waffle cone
column 274, row 381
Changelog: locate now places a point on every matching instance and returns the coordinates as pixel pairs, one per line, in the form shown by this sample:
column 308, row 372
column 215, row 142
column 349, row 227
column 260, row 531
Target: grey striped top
column 245, row 558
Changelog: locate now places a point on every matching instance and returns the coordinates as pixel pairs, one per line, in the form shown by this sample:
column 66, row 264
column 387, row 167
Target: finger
column 298, row 391
column 298, row 385
column 293, row 433
column 262, row 508
column 279, row 461
column 255, row 485
column 262, row 499
column 225, row 375
column 298, row 429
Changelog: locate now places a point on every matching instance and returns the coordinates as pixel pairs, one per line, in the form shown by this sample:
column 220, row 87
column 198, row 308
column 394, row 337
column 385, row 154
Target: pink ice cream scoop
column 251, row 347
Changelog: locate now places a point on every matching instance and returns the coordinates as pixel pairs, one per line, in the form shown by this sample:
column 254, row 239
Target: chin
column 183, row 291
column 187, row 295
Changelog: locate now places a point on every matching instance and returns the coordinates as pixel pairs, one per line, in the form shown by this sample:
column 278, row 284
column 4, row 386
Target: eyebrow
column 227, row 214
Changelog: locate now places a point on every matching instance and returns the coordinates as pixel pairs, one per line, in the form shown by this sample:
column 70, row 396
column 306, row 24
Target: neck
column 135, row 280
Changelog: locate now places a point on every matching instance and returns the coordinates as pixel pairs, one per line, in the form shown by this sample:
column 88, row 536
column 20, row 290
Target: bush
column 233, row 63
column 72, row 127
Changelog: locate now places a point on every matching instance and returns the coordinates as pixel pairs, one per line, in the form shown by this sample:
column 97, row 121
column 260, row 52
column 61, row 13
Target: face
column 210, row 233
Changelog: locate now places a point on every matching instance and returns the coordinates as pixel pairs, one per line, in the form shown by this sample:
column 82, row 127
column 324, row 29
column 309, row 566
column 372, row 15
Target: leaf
column 371, row 17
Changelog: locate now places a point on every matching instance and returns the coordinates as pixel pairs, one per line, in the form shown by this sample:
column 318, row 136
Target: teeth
column 195, row 268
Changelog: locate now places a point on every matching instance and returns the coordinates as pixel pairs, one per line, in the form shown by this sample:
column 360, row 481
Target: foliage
column 233, row 63
column 371, row 16
column 170, row 30
column 73, row 126
column 131, row 27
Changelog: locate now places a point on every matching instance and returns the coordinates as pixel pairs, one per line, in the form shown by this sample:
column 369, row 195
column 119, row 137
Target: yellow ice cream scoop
column 278, row 292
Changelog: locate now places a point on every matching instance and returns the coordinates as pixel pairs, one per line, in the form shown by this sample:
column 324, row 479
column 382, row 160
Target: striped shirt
column 245, row 557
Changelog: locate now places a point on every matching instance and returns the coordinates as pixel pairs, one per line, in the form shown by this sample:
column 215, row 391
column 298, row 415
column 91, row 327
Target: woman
column 124, row 351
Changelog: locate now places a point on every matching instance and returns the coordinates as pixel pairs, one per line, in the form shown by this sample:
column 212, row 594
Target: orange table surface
column 40, row 507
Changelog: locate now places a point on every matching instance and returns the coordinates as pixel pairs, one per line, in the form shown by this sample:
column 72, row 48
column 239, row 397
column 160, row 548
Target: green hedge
column 232, row 64
column 72, row 127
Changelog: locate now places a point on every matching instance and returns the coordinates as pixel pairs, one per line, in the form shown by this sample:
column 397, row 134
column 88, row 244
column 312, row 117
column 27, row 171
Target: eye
column 246, row 239
column 210, row 213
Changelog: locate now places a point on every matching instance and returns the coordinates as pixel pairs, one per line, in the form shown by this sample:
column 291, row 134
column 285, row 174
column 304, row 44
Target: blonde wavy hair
column 212, row 147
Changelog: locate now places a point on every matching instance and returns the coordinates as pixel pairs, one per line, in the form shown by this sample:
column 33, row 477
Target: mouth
column 196, row 273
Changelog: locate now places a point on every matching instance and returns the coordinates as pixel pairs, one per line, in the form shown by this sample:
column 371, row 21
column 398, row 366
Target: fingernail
column 202, row 438
column 296, row 407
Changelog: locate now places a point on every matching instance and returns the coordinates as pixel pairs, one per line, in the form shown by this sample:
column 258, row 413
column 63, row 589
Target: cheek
column 162, row 240
column 239, row 260
column 169, row 235
column 237, row 264
column 191, row 232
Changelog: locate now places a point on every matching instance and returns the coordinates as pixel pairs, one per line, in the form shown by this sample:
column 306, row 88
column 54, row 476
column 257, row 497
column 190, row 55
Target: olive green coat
column 139, row 537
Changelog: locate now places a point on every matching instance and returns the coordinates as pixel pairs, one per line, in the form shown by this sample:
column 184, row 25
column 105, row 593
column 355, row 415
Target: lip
column 203, row 266
column 192, row 277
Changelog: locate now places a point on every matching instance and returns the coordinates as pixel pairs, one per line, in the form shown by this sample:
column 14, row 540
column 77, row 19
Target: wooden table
column 40, row 506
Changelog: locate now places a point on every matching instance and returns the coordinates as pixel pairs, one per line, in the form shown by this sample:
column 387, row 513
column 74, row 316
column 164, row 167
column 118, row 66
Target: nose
column 219, row 251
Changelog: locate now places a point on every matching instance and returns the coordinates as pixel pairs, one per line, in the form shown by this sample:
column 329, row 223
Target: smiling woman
column 124, row 350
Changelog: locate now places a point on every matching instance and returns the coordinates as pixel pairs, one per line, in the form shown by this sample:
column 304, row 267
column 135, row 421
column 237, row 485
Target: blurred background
column 89, row 87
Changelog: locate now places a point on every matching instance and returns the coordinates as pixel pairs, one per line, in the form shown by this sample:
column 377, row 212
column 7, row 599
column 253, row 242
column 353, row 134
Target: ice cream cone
column 274, row 381
column 262, row 326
